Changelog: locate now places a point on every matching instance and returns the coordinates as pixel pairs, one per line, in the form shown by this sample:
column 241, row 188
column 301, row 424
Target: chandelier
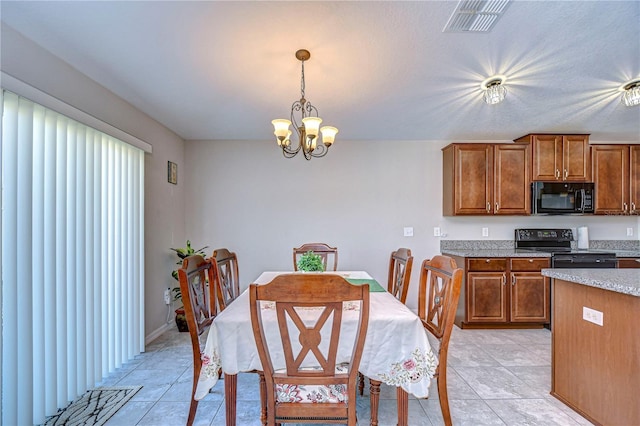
column 307, row 129
column 631, row 93
column 494, row 90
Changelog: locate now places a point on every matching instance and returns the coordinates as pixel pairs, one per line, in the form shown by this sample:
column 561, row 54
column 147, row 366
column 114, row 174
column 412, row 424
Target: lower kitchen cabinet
column 504, row 292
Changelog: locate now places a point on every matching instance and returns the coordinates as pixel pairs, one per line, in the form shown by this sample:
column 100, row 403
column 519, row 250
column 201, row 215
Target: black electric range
column 557, row 242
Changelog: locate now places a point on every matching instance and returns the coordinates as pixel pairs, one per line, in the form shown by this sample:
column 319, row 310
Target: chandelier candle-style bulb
column 328, row 135
column 306, row 124
column 281, row 127
column 287, row 140
column 312, row 126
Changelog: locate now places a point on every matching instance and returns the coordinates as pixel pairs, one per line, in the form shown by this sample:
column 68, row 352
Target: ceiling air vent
column 475, row 16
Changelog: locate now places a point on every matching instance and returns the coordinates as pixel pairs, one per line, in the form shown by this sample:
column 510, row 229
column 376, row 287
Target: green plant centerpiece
column 310, row 262
column 181, row 321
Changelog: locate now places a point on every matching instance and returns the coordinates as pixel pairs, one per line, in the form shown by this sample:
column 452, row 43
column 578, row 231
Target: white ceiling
column 378, row 70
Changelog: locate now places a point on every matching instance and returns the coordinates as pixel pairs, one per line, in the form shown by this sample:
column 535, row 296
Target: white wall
column 245, row 196
column 164, row 221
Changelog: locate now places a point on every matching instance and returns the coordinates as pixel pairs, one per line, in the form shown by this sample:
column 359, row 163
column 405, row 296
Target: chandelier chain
column 302, row 81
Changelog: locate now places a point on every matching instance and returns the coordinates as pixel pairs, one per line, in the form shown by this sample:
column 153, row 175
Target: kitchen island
column 595, row 364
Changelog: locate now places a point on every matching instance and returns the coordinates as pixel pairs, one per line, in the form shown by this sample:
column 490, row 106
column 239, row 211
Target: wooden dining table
column 396, row 351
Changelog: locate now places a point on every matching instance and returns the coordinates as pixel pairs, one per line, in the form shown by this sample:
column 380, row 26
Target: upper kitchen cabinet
column 486, row 179
column 616, row 174
column 559, row 157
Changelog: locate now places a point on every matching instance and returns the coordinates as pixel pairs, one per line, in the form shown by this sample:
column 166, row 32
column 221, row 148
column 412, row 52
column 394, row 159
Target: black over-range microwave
column 562, row 197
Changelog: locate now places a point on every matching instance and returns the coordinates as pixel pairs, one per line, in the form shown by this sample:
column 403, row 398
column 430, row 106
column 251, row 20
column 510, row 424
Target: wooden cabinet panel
column 473, row 177
column 481, row 264
column 559, row 157
column 616, row 174
column 547, row 157
column 486, row 179
column 530, row 297
column 511, row 183
column 634, row 179
column 486, row 293
column 576, row 158
column 529, row 264
column 628, row 262
column 611, row 178
column 504, row 292
column 594, row 369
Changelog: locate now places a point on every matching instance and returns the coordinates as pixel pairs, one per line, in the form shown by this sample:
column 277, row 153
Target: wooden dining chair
column 400, row 265
column 198, row 297
column 311, row 384
column 226, row 277
column 438, row 294
column 326, row 252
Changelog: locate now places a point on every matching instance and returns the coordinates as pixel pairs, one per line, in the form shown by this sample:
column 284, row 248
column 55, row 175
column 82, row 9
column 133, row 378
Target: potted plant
column 310, row 262
column 181, row 320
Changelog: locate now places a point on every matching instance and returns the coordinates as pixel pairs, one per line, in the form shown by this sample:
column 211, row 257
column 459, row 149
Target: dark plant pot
column 181, row 320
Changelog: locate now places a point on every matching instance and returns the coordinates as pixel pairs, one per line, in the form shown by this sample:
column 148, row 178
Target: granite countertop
column 493, row 253
column 625, row 281
column 622, row 253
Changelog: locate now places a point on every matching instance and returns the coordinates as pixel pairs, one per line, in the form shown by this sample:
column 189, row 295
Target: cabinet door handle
column 624, row 207
column 497, row 208
column 488, row 260
column 566, row 174
column 504, row 279
column 530, row 260
column 633, row 207
column 557, row 173
column 488, row 207
column 513, row 280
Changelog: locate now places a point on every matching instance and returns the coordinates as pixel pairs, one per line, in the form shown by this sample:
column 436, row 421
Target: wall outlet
column 629, row 232
column 408, row 231
column 485, row 232
column 167, row 297
column 437, row 232
column 593, row 316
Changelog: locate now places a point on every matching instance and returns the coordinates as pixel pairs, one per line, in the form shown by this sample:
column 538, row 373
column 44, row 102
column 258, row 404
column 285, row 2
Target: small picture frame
column 172, row 172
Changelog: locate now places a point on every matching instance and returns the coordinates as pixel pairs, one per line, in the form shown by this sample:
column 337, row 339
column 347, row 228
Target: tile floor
column 496, row 377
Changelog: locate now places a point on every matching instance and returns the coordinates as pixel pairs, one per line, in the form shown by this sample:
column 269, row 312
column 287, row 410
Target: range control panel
column 544, row 235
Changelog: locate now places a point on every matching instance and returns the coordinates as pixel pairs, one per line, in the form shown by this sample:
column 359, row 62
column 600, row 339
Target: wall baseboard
column 156, row 333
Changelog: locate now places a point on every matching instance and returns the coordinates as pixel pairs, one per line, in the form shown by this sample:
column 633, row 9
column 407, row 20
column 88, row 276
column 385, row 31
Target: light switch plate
column 485, row 232
column 629, row 232
column 408, row 231
column 436, row 232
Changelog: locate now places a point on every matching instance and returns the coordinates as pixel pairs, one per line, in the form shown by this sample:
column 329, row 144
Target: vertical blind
column 72, row 258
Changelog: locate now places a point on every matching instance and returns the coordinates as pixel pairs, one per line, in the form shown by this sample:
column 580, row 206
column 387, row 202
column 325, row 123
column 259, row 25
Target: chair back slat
column 196, row 278
column 197, row 287
column 226, row 276
column 438, row 296
column 440, row 283
column 326, row 253
column 400, row 265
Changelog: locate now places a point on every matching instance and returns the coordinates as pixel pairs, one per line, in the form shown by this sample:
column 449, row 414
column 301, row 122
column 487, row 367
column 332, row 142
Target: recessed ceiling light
column 494, row 89
column 631, row 92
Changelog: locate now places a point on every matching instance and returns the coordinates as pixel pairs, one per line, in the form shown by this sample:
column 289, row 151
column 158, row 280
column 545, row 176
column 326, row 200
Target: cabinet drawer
column 529, row 263
column 628, row 262
column 487, row 264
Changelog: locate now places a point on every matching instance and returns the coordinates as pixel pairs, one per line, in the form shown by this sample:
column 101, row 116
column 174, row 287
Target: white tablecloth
column 396, row 350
